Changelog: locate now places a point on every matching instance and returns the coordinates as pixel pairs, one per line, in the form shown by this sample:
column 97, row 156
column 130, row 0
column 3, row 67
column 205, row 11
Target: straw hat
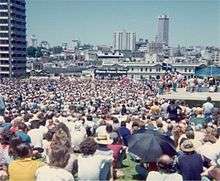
column 187, row 146
column 103, row 139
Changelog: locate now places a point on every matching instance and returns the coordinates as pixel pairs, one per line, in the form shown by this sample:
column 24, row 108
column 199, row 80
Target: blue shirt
column 23, row 136
column 125, row 134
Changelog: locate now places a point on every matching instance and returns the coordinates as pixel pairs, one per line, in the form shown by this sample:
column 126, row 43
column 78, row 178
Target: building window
column 190, row 70
column 150, row 69
column 132, row 69
column 146, row 69
column 185, row 69
column 141, row 69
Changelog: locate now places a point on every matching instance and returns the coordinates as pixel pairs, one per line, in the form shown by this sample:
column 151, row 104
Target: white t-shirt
column 37, row 136
column 89, row 167
column 155, row 176
column 47, row 173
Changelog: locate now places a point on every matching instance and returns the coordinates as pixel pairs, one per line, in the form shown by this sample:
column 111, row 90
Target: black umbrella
column 150, row 145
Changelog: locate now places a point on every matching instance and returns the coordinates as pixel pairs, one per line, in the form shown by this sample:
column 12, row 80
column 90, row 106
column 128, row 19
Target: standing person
column 2, row 105
column 124, row 132
column 173, row 111
column 189, row 163
column 208, row 108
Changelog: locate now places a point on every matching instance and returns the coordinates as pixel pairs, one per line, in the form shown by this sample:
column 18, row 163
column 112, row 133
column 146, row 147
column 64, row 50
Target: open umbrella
column 150, row 145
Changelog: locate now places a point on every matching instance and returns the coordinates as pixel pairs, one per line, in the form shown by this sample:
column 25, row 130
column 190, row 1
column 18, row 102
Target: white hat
column 103, row 139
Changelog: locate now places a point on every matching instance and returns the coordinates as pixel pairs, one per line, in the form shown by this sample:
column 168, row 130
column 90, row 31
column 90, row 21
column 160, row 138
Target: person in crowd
column 91, row 171
column 189, row 163
column 124, row 132
column 36, row 134
column 24, row 167
column 22, row 133
column 165, row 171
column 173, row 111
column 58, row 160
column 208, row 108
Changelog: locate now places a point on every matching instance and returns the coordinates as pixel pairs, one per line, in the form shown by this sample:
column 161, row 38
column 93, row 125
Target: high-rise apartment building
column 123, row 40
column 12, row 38
column 163, row 30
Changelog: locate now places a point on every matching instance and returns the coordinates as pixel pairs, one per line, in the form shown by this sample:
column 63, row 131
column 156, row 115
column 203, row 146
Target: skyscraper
column 12, row 38
column 123, row 40
column 163, row 30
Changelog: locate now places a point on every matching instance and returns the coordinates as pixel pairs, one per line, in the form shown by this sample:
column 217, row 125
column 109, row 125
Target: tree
column 57, row 49
column 39, row 52
column 31, row 51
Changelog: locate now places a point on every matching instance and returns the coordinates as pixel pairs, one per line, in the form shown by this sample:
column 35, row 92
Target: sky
column 192, row 22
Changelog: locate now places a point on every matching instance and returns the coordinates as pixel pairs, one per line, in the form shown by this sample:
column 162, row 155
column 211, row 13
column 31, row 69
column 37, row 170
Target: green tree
column 57, row 49
column 31, row 51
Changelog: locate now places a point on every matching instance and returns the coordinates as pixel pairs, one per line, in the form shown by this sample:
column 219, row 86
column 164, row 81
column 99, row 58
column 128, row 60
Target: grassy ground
column 129, row 170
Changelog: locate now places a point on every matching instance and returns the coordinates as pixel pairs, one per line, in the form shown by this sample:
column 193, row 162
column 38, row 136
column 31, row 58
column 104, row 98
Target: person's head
column 187, row 146
column 23, row 150
column 159, row 123
column 49, row 135
column 209, row 138
column 88, row 146
column 209, row 99
column 190, row 134
column 123, row 124
column 109, row 128
column 23, row 127
column 5, row 137
column 170, row 127
column 59, row 156
column 35, row 124
column 62, row 126
column 165, row 164
column 115, row 120
column 135, row 125
column 172, row 101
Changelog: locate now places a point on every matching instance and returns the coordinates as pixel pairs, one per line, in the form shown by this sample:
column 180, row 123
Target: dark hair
column 135, row 124
column 49, row 135
column 209, row 99
column 115, row 120
column 123, row 123
column 23, row 150
column 88, row 146
column 190, row 134
column 64, row 128
column 59, row 156
column 109, row 128
column 89, row 118
column 6, row 137
column 35, row 124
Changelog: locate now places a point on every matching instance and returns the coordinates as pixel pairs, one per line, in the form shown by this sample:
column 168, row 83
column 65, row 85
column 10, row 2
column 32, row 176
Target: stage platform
column 194, row 98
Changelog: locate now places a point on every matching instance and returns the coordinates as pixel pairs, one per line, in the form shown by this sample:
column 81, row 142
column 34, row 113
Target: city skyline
column 191, row 22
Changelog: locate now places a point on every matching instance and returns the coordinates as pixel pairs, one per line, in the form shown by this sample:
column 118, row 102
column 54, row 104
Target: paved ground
column 181, row 94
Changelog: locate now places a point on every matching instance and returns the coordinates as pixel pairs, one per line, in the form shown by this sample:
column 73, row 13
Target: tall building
column 12, row 38
column 123, row 40
column 163, row 30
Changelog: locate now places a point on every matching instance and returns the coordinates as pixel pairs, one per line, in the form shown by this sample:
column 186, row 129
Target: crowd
column 71, row 128
column 209, row 84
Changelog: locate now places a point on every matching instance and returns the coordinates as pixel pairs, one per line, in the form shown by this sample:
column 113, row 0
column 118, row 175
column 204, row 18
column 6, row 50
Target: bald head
column 165, row 162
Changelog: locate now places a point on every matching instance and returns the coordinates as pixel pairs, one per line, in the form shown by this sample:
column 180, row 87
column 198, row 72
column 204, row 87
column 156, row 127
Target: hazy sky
column 192, row 22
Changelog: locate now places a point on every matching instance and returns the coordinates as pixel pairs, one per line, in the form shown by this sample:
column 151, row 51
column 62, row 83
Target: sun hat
column 187, row 146
column 103, row 139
